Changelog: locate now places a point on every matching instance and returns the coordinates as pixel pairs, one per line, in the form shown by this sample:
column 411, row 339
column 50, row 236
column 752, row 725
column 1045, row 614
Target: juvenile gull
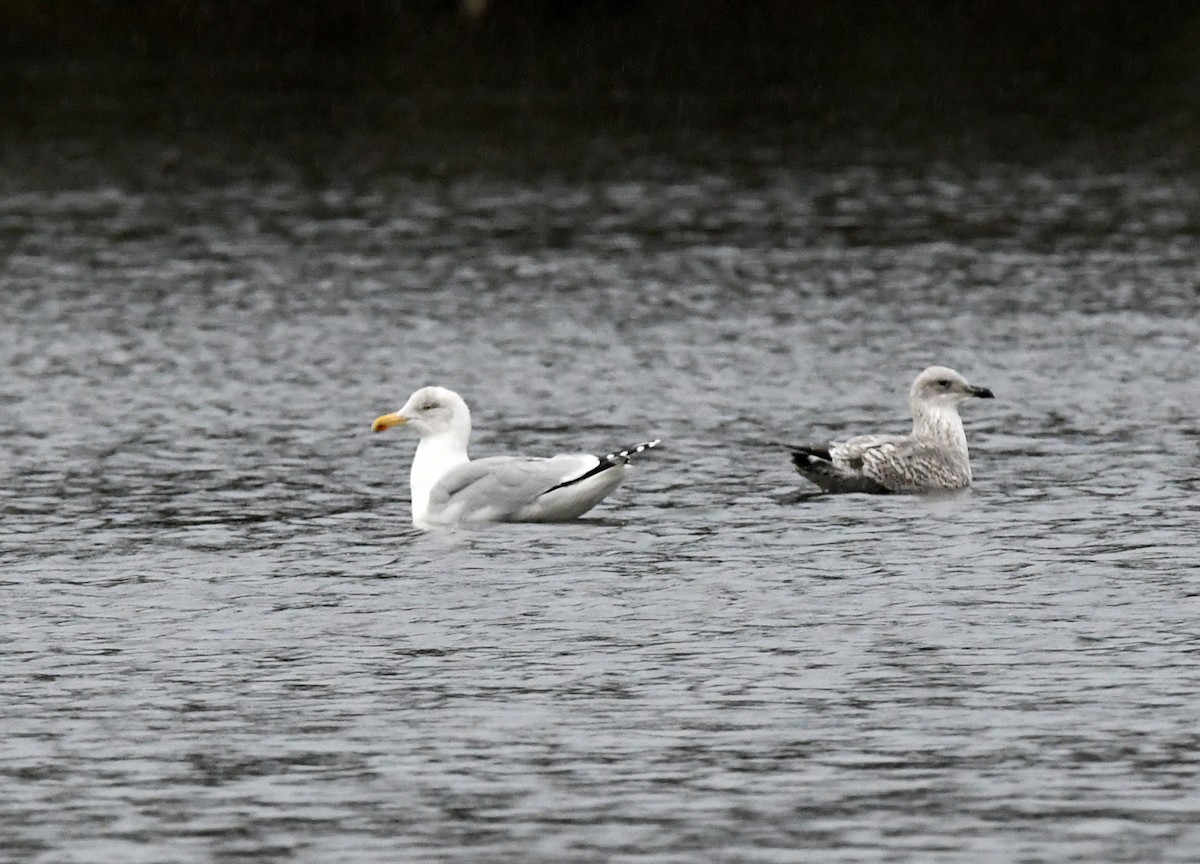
column 448, row 487
column 932, row 457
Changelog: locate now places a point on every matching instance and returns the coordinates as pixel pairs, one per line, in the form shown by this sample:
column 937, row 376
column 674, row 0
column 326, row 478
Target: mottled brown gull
column 448, row 487
column 933, row 457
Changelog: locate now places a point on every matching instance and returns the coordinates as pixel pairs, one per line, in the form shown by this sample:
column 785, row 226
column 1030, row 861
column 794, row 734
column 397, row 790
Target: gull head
column 943, row 387
column 431, row 411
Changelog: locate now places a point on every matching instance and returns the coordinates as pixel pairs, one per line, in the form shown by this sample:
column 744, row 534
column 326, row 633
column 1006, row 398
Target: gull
column 449, row 488
column 933, row 457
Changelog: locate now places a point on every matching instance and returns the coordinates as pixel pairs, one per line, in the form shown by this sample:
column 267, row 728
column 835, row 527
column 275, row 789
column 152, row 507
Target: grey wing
column 903, row 464
column 500, row 487
column 839, row 466
column 854, row 465
column 876, row 457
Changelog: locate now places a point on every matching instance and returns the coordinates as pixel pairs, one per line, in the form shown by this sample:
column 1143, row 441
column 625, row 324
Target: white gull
column 448, row 487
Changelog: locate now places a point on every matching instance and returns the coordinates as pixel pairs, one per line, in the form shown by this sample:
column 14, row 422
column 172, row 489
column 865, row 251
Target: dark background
column 549, row 76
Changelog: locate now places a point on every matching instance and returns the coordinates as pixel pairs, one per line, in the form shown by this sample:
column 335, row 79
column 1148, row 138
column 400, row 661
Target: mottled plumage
column 448, row 487
column 934, row 456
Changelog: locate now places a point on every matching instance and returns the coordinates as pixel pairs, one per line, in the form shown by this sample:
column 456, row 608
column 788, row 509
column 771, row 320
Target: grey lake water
column 224, row 641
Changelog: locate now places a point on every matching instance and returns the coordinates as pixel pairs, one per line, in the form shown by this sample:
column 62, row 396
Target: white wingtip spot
column 624, row 455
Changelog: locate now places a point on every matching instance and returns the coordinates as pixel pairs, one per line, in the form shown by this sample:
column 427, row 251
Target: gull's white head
column 942, row 387
column 431, row 411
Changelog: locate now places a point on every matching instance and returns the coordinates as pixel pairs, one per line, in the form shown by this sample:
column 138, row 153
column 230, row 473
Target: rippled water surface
column 224, row 641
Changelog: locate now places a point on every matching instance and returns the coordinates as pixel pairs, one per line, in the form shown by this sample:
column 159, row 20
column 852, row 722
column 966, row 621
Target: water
column 224, row 641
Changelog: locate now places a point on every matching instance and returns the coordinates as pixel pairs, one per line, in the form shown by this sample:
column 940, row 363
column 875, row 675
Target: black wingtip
column 609, row 461
column 803, row 453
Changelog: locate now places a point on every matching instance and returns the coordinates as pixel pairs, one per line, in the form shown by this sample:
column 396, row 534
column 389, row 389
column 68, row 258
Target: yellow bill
column 387, row 421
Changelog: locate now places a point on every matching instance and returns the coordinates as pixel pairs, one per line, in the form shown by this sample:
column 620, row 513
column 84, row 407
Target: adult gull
column 933, row 457
column 448, row 487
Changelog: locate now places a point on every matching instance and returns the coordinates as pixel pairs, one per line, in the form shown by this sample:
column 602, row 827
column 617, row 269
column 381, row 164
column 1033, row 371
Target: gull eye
column 944, row 383
column 429, row 406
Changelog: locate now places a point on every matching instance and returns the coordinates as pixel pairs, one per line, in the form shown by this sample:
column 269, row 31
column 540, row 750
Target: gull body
column 448, row 487
column 932, row 457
